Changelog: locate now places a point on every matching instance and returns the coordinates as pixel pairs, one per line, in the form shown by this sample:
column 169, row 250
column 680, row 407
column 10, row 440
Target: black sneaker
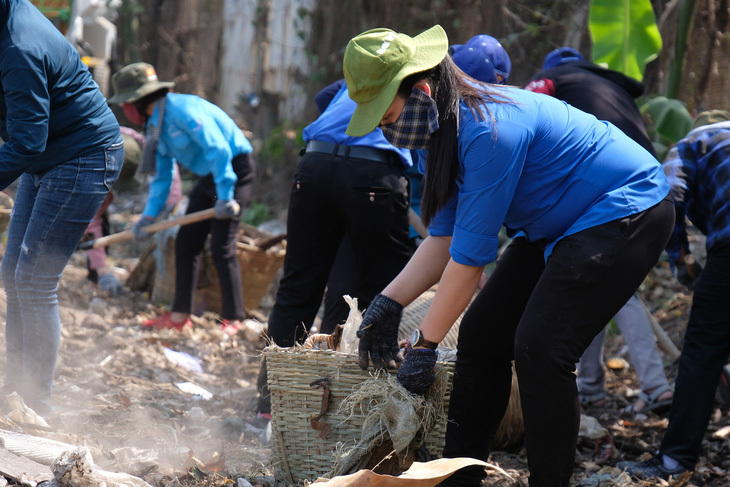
column 651, row 468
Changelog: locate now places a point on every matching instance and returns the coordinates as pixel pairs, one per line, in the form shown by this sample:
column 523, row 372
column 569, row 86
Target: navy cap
column 483, row 58
column 560, row 56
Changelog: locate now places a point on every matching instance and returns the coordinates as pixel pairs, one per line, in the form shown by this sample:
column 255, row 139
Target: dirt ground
column 170, row 407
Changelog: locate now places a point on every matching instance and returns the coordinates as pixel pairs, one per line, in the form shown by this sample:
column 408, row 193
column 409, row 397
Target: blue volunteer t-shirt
column 332, row 123
column 544, row 170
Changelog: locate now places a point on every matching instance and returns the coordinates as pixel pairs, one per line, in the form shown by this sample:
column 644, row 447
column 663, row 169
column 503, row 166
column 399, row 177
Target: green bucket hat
column 136, row 81
column 377, row 61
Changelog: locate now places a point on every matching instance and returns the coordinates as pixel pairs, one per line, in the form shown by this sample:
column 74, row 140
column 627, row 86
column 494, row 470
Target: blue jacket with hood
column 51, row 110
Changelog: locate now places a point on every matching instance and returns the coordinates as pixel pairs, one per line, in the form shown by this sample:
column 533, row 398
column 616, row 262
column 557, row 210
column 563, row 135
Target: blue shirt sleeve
column 27, row 101
column 160, row 186
column 491, row 173
column 205, row 133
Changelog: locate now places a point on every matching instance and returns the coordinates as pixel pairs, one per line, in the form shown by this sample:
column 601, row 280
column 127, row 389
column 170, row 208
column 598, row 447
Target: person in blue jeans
column 587, row 208
column 63, row 142
column 201, row 137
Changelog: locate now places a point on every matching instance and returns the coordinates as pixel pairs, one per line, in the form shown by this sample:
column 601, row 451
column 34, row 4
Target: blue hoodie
column 51, row 110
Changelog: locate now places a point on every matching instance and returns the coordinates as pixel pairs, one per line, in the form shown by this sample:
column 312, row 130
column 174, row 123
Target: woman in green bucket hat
column 586, row 207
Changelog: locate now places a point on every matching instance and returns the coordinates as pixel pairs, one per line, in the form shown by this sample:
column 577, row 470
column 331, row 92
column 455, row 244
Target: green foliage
column 625, row 35
column 256, row 214
column 280, row 140
column 667, row 121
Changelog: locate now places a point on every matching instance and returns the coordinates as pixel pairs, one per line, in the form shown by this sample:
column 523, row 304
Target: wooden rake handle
column 154, row 227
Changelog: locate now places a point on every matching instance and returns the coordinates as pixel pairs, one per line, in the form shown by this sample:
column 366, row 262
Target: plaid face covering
column 418, row 120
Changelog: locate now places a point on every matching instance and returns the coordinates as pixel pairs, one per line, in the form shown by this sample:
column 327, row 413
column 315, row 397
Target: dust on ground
column 172, row 407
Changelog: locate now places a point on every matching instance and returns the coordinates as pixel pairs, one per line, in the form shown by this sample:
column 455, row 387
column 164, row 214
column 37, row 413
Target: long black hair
column 450, row 86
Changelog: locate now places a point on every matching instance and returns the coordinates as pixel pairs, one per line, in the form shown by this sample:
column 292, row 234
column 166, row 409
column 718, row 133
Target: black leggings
column 191, row 239
column 544, row 316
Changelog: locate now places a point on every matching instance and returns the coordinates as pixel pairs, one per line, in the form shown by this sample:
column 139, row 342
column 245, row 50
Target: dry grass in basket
column 390, row 412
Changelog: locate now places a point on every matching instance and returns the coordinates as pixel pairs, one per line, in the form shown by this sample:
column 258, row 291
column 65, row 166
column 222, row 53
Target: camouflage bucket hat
column 709, row 117
column 136, row 81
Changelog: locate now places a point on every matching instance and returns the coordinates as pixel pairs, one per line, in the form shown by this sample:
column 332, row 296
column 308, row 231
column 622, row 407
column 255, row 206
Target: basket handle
column 332, row 340
column 323, row 427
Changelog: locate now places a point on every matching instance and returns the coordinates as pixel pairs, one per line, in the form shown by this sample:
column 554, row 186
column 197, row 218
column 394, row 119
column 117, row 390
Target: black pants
column 544, row 316
column 344, row 279
column 705, row 352
column 334, row 196
column 191, row 240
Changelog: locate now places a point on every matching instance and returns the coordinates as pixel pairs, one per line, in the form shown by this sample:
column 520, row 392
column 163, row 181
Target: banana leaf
column 625, row 35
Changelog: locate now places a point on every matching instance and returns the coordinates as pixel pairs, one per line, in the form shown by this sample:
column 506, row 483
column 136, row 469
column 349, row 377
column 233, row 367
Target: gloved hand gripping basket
column 329, row 417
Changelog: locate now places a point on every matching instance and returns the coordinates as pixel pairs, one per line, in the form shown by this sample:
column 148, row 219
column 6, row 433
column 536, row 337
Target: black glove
column 378, row 333
column 416, row 372
column 687, row 276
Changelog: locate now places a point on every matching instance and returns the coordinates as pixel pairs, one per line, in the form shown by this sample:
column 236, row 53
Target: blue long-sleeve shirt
column 200, row 136
column 698, row 170
column 545, row 170
column 51, row 110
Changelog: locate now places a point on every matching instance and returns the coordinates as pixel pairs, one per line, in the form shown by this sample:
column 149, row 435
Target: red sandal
column 165, row 321
column 231, row 327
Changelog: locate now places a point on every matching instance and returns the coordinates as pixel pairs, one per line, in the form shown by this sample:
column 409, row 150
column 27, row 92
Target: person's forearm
column 454, row 293
column 422, row 271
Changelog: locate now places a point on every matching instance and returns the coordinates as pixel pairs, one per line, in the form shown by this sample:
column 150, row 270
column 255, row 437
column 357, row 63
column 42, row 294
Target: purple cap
column 483, row 58
column 560, row 56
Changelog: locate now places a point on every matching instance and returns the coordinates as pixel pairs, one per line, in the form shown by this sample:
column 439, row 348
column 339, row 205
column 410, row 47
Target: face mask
column 418, row 120
column 132, row 114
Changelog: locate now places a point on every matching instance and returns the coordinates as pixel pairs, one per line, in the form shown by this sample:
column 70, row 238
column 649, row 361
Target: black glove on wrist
column 378, row 333
column 416, row 372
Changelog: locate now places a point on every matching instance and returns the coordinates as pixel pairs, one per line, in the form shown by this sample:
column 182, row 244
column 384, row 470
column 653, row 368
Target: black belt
column 354, row 151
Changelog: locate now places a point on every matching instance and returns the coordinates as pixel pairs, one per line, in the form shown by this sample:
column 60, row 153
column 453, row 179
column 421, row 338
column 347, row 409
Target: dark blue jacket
column 607, row 94
column 51, row 110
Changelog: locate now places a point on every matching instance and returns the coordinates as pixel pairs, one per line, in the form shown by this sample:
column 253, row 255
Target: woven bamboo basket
column 299, row 453
column 258, row 270
column 512, row 428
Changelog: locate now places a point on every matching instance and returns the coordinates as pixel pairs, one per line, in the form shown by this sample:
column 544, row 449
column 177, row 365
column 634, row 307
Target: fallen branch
column 664, row 341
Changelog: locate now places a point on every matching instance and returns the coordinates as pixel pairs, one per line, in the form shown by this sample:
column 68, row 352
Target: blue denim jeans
column 51, row 212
